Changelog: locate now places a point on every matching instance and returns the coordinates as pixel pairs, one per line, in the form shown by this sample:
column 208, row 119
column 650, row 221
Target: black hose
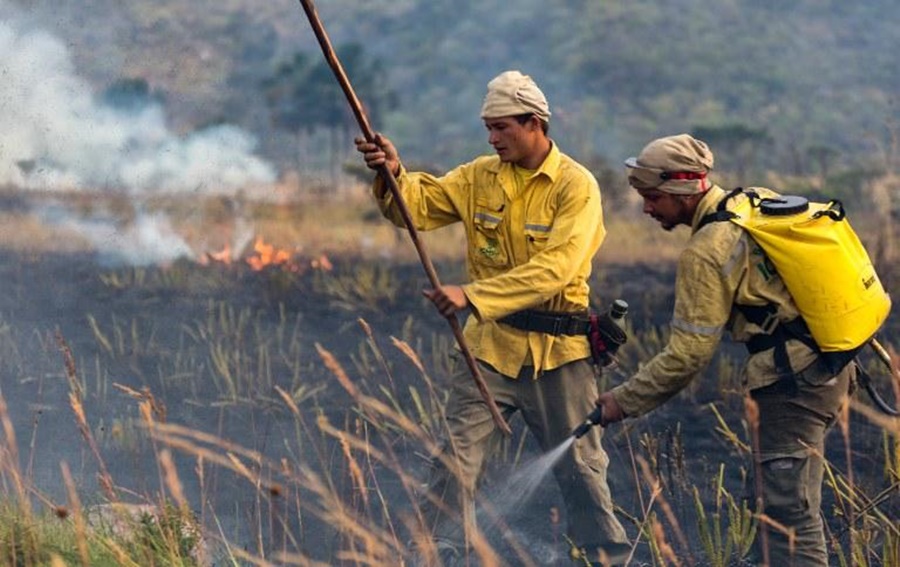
column 866, row 380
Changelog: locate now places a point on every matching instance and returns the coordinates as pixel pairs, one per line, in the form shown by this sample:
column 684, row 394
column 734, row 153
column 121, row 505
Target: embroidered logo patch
column 491, row 249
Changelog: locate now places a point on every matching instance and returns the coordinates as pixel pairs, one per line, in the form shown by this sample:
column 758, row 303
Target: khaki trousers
column 552, row 406
column 795, row 414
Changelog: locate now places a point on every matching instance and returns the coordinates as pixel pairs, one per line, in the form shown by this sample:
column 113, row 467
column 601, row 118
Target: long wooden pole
column 388, row 177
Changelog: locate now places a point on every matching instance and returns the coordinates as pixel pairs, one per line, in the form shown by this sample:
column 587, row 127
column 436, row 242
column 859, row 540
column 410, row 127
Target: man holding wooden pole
column 533, row 222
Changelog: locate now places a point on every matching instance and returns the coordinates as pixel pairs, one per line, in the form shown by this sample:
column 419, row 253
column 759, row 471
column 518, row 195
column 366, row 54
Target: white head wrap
column 510, row 94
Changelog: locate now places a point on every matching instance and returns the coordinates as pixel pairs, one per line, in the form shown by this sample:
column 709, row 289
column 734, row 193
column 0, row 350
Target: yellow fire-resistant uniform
column 720, row 269
column 528, row 247
column 531, row 236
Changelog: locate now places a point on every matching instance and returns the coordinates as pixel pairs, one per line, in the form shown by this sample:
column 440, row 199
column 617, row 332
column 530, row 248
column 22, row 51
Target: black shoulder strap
column 722, row 213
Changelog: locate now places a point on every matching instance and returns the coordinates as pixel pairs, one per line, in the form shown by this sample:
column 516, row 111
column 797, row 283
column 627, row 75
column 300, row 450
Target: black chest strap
column 775, row 334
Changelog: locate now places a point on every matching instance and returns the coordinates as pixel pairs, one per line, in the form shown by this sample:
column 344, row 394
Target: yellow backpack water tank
column 822, row 262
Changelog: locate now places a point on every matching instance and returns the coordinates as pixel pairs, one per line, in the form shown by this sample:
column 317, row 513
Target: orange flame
column 322, row 263
column 223, row 255
column 267, row 255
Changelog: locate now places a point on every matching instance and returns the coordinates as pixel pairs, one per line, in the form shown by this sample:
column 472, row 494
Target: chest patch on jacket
column 491, row 248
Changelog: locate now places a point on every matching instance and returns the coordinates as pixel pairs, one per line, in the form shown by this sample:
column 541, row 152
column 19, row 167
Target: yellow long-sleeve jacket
column 530, row 243
column 720, row 267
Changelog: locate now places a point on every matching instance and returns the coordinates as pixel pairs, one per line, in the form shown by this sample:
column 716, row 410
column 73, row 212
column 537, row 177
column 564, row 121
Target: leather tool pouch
column 605, row 336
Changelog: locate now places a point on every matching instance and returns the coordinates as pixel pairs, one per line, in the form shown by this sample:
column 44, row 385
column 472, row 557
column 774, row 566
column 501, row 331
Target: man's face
column 513, row 142
column 668, row 209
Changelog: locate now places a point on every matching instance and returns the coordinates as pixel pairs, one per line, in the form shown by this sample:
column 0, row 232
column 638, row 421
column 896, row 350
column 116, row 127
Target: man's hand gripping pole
column 391, row 182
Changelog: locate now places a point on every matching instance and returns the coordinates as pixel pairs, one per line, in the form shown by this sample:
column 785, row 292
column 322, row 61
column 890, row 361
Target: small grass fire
column 266, row 256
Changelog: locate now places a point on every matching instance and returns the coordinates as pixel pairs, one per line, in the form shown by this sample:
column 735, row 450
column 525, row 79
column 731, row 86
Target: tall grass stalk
column 657, row 530
column 843, row 420
column 724, row 547
column 77, row 513
column 751, row 411
column 77, row 405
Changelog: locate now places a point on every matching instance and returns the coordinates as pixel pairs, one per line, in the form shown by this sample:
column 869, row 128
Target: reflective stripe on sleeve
column 737, row 254
column 696, row 329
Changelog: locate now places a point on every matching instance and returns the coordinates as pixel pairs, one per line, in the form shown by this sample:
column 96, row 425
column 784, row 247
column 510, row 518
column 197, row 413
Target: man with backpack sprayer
column 799, row 369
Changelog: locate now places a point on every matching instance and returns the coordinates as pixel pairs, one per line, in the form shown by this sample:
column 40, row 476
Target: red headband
column 682, row 175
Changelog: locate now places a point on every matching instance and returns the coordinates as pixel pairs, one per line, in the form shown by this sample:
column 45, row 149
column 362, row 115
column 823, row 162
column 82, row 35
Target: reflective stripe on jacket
column 720, row 266
column 528, row 248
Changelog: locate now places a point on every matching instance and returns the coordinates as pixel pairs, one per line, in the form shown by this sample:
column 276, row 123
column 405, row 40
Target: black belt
column 549, row 322
column 782, row 331
column 775, row 334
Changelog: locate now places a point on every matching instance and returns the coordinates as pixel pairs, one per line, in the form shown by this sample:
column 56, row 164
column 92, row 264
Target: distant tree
column 822, row 156
column 303, row 96
column 250, row 65
column 284, row 89
column 849, row 185
column 734, row 144
column 883, row 190
column 130, row 94
column 613, row 183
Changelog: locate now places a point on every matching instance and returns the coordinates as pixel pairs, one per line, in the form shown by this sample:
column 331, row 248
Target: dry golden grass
column 27, row 234
column 347, row 226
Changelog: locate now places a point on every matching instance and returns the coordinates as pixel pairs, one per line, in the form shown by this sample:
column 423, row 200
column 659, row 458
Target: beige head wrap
column 675, row 164
column 510, row 94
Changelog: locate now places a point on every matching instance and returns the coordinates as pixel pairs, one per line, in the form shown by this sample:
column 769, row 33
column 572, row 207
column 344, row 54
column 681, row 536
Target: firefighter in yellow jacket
column 724, row 281
column 533, row 221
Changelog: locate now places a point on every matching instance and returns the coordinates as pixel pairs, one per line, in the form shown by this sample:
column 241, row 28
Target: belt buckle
column 567, row 324
column 573, row 326
column 559, row 324
column 770, row 323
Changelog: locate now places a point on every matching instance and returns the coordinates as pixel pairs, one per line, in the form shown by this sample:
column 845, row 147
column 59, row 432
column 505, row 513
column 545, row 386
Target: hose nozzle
column 591, row 420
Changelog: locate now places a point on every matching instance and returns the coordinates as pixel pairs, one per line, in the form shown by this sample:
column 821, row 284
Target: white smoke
column 54, row 134
column 149, row 240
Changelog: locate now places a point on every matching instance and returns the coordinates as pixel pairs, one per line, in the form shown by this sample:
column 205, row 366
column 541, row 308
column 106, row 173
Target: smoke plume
column 57, row 134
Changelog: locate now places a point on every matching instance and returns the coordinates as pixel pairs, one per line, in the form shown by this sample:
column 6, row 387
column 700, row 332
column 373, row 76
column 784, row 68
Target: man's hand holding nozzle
column 607, row 411
column 611, row 411
column 591, row 420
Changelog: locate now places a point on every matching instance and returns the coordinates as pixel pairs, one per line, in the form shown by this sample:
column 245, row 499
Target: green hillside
column 807, row 78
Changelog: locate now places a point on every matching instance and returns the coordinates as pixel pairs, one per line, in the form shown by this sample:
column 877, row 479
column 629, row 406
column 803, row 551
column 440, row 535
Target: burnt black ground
column 45, row 297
